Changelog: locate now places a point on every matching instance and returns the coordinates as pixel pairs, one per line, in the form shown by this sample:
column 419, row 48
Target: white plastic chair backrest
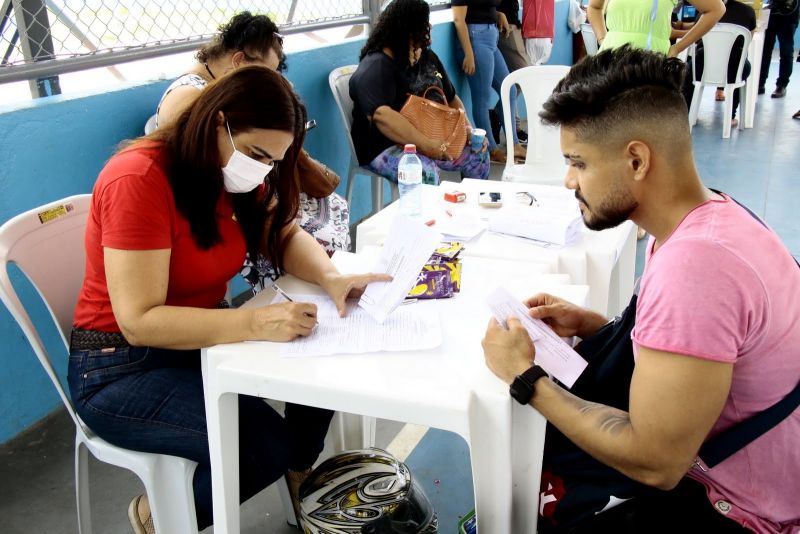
column 537, row 84
column 589, row 38
column 46, row 244
column 151, row 125
column 339, row 80
column 717, row 45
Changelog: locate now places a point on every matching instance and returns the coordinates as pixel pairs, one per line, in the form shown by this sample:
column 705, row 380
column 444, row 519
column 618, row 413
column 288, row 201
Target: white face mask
column 242, row 174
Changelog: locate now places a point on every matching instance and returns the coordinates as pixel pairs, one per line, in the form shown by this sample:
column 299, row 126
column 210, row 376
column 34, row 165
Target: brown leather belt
column 95, row 340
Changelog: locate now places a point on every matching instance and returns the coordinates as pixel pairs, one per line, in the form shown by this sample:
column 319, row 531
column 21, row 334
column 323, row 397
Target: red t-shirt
column 133, row 208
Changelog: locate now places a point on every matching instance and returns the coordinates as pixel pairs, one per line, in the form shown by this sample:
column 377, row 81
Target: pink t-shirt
column 723, row 287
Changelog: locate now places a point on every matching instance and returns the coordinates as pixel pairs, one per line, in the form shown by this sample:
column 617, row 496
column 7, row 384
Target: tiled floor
column 759, row 167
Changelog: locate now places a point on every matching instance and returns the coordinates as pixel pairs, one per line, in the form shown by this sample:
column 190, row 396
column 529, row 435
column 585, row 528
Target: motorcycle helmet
column 365, row 491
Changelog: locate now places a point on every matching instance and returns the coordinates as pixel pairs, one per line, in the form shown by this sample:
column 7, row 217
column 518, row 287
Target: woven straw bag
column 437, row 121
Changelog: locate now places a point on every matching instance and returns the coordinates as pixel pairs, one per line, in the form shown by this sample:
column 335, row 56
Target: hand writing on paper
column 340, row 287
column 566, row 319
column 284, row 321
column 508, row 352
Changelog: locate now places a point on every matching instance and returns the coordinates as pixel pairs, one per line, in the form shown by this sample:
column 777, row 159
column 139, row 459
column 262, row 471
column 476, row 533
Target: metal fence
column 40, row 39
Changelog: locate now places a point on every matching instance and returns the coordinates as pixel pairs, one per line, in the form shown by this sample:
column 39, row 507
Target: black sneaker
column 522, row 135
column 762, row 89
column 494, row 121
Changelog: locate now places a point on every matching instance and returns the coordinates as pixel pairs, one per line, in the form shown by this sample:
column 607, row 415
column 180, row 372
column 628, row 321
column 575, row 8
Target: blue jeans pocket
column 91, row 370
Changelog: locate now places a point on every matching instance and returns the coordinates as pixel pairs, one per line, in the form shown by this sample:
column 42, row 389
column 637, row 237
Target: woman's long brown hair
column 250, row 98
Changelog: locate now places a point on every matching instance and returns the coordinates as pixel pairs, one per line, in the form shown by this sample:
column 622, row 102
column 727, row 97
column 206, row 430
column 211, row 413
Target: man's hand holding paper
column 510, row 338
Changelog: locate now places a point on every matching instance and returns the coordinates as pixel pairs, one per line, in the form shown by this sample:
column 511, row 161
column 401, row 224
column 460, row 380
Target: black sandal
column 796, row 115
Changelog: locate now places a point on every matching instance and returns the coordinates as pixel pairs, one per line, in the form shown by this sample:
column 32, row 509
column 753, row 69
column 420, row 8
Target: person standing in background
column 783, row 18
column 538, row 28
column 512, row 47
column 648, row 25
column 476, row 23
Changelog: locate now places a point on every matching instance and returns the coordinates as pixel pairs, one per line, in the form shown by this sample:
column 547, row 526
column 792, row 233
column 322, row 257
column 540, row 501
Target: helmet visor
column 413, row 515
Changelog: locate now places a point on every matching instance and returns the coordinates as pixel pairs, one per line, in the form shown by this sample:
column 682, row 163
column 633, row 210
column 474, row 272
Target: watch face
column 521, row 390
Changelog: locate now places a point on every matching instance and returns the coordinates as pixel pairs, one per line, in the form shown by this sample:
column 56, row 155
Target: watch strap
column 523, row 386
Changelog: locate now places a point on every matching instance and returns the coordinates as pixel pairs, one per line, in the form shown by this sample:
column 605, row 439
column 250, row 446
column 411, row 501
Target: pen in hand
column 282, row 293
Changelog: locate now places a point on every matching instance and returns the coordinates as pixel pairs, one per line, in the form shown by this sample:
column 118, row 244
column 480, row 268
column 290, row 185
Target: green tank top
column 641, row 23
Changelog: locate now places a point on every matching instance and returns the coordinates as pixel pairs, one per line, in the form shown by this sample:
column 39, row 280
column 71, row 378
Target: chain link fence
column 42, row 38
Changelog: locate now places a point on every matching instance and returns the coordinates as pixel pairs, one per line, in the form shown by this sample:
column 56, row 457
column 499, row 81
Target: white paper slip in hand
column 552, row 352
column 408, row 245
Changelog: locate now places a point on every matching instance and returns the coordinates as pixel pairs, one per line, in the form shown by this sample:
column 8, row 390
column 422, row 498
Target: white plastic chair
column 717, row 45
column 46, row 244
column 339, row 80
column 589, row 39
column 544, row 163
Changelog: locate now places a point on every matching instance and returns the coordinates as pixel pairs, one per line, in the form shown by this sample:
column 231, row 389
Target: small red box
column 455, row 196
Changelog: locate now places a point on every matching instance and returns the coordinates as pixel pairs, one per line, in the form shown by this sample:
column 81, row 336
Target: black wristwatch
column 523, row 385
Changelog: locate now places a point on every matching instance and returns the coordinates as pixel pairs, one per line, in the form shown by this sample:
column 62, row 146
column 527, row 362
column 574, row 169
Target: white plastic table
column 448, row 387
column 605, row 261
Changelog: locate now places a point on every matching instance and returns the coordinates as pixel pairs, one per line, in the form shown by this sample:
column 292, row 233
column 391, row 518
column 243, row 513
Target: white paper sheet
column 405, row 329
column 552, row 352
column 408, row 245
column 460, row 227
column 559, row 228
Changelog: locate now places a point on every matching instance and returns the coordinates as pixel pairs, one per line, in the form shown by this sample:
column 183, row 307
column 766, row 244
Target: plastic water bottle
column 409, row 180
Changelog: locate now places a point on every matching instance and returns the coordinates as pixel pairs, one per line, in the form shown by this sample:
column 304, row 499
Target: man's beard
column 612, row 212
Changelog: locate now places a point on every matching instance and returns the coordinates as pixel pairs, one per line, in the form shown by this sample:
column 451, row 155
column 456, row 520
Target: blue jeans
column 151, row 400
column 490, row 71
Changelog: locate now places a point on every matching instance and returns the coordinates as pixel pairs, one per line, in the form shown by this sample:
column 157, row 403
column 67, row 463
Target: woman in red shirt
column 172, row 217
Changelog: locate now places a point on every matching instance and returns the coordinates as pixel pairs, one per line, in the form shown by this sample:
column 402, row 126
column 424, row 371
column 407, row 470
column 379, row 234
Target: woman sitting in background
column 171, row 218
column 249, row 39
column 394, row 63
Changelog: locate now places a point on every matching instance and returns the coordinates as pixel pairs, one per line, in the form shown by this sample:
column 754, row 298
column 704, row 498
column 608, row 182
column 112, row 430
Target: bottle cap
column 410, row 148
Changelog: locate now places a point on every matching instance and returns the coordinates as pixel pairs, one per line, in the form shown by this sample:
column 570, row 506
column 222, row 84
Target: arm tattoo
column 609, row 419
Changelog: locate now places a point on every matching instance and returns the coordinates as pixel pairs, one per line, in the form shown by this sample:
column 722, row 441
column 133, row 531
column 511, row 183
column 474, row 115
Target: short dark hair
column 615, row 89
column 248, row 33
column 249, row 97
column 402, row 23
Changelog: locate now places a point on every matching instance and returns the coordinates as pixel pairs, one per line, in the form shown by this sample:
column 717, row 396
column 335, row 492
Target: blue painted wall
column 54, row 147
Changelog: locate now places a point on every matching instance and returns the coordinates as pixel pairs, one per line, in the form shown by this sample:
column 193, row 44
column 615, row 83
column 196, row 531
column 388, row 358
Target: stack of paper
column 460, row 227
column 408, row 328
column 560, row 227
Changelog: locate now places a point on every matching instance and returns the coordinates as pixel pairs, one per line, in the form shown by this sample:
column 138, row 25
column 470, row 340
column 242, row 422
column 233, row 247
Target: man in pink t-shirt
column 717, row 333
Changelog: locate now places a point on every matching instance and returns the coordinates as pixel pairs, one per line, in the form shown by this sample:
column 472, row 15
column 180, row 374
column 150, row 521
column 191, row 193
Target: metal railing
column 40, row 39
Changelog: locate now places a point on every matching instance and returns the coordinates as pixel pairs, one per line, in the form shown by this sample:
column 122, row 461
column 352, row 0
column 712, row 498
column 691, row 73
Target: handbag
column 437, row 121
column 575, row 487
column 315, row 179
